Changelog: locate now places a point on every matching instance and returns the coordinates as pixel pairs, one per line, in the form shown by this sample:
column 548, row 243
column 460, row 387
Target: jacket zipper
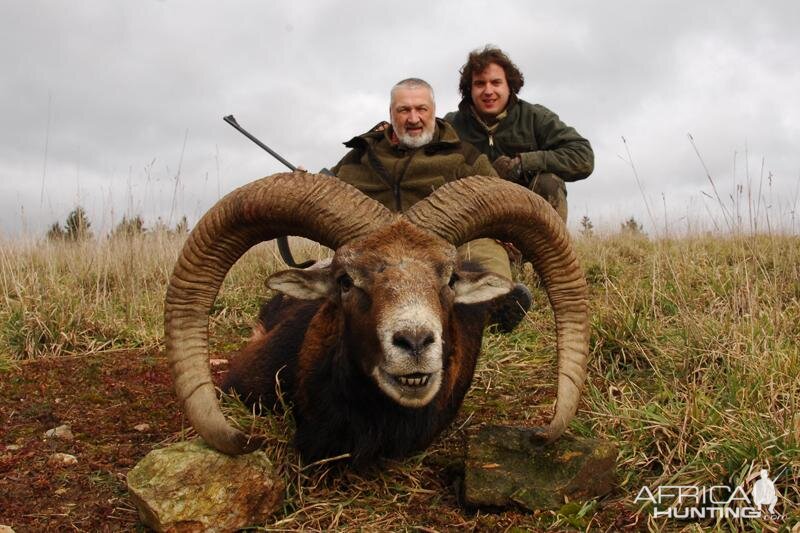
column 492, row 148
column 397, row 201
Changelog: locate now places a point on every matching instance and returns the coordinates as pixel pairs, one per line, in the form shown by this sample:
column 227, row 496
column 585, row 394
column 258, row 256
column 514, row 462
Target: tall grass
column 64, row 297
column 694, row 370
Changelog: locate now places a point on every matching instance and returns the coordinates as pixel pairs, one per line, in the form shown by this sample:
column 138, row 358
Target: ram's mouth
column 410, row 390
column 417, row 379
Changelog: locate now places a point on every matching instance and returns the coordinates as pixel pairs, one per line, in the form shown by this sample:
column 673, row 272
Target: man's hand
column 509, row 168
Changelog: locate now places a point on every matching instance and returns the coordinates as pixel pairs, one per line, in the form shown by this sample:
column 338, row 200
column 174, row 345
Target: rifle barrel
column 232, row 121
column 283, row 242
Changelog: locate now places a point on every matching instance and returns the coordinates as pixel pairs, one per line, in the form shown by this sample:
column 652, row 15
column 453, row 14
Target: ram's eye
column 453, row 279
column 345, row 282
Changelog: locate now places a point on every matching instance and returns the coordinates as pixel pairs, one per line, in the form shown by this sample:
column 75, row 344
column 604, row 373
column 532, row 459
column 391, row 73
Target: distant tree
column 159, row 227
column 632, row 227
column 182, row 227
column 128, row 227
column 56, row 232
column 77, row 225
column 587, row 228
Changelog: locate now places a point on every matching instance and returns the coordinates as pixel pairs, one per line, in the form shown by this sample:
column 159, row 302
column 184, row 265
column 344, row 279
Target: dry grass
column 695, row 363
column 694, row 372
column 62, row 298
column 68, row 298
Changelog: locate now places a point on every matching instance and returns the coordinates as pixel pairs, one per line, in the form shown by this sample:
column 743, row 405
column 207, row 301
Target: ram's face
column 396, row 290
column 396, row 302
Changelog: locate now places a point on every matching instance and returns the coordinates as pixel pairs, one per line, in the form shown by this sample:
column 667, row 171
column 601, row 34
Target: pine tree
column 632, row 227
column 587, row 228
column 56, row 232
column 182, row 227
column 129, row 227
column 77, row 225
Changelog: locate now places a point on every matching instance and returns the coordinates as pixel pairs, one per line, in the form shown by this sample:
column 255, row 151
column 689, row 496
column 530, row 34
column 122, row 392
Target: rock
column 62, row 459
column 6, row 529
column 191, row 487
column 63, row 432
column 508, row 466
column 141, row 428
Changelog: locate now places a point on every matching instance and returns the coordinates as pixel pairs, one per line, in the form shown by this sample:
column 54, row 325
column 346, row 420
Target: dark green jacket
column 399, row 177
column 544, row 143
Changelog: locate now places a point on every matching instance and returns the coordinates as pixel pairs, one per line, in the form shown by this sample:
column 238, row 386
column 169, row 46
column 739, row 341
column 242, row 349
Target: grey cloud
column 129, row 81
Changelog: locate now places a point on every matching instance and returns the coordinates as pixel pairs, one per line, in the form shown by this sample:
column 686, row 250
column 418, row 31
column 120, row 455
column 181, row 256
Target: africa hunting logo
column 757, row 498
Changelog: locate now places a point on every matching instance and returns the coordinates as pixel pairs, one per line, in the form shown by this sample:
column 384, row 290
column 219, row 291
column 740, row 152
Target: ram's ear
column 477, row 287
column 309, row 284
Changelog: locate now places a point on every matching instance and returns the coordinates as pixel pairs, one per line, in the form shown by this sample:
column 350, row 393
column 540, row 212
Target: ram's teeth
column 413, row 382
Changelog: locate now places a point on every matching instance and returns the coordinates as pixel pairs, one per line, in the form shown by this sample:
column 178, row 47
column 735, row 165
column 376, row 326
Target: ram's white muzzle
column 411, row 379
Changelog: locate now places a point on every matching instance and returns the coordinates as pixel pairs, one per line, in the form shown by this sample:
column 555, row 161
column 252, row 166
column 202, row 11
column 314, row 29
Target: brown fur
column 319, row 342
column 323, row 351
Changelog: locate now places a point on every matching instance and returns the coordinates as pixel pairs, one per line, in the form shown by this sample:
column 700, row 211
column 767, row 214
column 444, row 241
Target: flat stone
column 191, row 487
column 510, row 467
column 141, row 428
column 6, row 529
column 62, row 459
column 63, row 432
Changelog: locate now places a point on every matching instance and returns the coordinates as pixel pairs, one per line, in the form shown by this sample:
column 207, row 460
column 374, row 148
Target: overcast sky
column 118, row 105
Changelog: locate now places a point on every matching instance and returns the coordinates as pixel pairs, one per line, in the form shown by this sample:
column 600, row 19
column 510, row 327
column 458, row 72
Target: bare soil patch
column 102, row 398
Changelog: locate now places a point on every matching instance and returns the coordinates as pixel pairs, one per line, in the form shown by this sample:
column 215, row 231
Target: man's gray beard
column 408, row 141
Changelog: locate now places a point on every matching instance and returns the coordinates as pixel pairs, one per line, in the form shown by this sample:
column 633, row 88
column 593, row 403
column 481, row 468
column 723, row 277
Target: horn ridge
column 481, row 206
column 317, row 207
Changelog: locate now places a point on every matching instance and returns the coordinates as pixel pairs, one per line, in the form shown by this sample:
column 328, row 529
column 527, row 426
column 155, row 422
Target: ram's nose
column 413, row 341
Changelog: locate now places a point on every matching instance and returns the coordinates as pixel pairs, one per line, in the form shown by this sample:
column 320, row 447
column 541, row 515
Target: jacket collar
column 444, row 137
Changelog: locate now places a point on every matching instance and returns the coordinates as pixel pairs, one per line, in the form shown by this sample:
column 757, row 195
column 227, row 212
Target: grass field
column 694, row 371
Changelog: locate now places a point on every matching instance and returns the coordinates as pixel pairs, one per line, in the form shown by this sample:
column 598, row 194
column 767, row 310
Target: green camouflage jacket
column 543, row 142
column 400, row 177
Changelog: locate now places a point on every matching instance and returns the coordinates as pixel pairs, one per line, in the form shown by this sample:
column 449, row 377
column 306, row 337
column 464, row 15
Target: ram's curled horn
column 478, row 207
column 321, row 208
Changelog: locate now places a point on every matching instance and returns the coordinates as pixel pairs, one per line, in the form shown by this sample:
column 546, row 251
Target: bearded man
column 527, row 143
column 403, row 163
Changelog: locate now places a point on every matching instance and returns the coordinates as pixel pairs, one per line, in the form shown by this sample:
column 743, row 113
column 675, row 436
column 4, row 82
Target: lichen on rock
column 508, row 466
column 191, row 487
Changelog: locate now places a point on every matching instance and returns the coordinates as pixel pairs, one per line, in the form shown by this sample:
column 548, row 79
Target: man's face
column 490, row 91
column 412, row 113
